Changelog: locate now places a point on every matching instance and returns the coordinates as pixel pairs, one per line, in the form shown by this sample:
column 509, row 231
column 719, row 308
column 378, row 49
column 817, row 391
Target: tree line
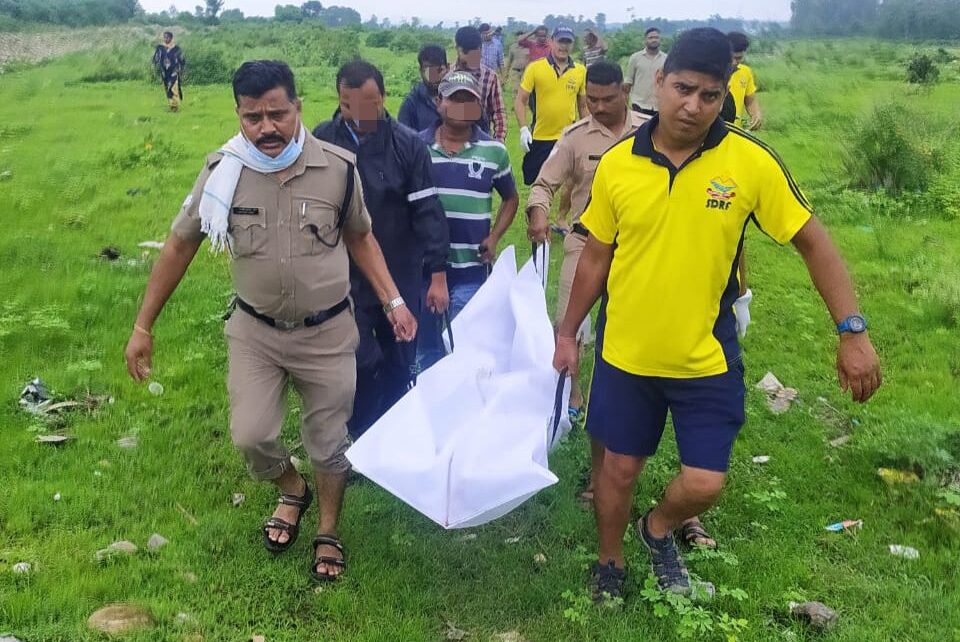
column 895, row 19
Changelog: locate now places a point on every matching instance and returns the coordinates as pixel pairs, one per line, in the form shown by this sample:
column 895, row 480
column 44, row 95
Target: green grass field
column 87, row 165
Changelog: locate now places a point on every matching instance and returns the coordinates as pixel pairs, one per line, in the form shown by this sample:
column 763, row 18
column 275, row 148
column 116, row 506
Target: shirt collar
column 596, row 125
column 643, row 138
column 431, row 136
column 553, row 63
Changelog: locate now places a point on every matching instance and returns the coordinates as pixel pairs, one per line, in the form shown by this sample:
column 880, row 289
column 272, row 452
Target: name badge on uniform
column 595, row 157
column 246, row 211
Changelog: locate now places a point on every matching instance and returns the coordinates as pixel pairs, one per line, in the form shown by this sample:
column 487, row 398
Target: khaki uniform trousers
column 573, row 245
column 319, row 361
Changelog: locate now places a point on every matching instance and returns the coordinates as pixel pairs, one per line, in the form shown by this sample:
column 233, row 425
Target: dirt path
column 34, row 47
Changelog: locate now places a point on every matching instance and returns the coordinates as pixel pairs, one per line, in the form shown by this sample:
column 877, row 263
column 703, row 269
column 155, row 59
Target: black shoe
column 606, row 582
column 665, row 559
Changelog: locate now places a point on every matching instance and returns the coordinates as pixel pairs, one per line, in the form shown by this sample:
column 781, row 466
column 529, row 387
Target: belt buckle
column 287, row 325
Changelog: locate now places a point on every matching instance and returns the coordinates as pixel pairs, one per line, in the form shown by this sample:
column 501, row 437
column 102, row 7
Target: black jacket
column 408, row 220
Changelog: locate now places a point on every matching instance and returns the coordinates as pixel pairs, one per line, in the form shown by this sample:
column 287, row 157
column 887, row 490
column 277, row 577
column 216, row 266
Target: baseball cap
column 459, row 81
column 564, row 33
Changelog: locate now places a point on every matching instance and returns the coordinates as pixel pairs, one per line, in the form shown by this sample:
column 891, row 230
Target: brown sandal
column 293, row 530
column 327, row 540
column 690, row 532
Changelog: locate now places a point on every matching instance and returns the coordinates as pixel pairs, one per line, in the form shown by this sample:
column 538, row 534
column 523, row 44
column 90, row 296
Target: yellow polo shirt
column 678, row 235
column 557, row 93
column 742, row 84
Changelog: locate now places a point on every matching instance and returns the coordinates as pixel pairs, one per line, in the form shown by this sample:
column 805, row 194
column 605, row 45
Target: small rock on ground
column 816, row 614
column 115, row 619
column 122, row 547
column 156, row 541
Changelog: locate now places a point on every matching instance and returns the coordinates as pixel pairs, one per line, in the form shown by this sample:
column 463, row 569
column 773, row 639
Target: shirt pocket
column 248, row 231
column 317, row 225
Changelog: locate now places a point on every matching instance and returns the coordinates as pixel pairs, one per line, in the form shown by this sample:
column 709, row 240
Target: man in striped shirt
column 467, row 167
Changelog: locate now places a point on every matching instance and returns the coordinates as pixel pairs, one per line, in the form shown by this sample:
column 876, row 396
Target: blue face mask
column 286, row 158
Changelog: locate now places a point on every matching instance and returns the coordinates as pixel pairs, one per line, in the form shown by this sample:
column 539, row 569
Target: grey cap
column 459, row 81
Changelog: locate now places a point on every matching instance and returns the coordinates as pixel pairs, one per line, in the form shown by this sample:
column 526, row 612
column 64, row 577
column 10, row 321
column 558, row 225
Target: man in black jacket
column 408, row 222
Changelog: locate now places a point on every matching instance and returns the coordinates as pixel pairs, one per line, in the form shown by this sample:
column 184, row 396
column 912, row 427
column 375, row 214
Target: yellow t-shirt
column 678, row 237
column 742, row 84
column 556, row 95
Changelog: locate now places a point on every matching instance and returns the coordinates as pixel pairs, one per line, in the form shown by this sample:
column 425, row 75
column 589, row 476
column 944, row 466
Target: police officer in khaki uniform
column 573, row 162
column 289, row 208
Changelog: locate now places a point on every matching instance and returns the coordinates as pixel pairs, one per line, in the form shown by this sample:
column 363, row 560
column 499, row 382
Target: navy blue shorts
column 627, row 413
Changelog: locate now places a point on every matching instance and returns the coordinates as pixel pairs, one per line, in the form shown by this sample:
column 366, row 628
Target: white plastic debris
column 21, row 567
column 779, row 397
column 906, row 552
column 155, row 388
column 761, row 459
column 56, row 497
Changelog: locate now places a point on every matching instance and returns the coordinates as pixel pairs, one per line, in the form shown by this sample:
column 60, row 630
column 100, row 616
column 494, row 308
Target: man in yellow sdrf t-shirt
column 560, row 87
column 743, row 84
column 668, row 210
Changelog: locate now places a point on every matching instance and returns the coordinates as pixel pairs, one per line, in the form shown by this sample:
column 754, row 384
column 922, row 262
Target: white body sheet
column 469, row 442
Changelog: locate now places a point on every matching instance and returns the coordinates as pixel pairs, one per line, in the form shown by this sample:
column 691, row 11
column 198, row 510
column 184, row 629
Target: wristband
column 143, row 330
column 393, row 305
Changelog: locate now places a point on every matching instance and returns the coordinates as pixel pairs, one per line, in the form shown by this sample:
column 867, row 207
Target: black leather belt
column 309, row 322
column 580, row 229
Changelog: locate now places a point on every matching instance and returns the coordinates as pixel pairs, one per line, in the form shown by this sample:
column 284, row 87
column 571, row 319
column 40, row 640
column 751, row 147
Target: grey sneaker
column 665, row 559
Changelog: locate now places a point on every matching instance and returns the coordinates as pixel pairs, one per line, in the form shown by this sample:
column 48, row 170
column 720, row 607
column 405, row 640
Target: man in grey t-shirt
column 641, row 72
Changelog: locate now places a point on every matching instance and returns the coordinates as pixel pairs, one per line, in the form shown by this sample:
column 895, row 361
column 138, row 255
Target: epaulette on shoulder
column 213, row 159
column 577, row 125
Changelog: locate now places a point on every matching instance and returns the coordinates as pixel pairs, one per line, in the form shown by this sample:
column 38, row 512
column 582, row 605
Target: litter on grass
column 845, row 525
column 906, row 552
column 779, row 397
column 893, row 476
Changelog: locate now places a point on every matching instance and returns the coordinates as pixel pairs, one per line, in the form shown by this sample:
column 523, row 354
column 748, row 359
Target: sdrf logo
column 722, row 190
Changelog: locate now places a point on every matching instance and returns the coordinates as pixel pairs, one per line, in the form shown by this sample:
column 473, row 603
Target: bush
column 117, row 65
column 380, row 38
column 922, row 70
column 626, row 42
column 320, row 46
column 943, row 56
column 889, row 151
column 206, row 67
column 410, row 40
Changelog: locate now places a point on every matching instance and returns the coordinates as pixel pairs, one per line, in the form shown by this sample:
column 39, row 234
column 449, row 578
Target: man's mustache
column 270, row 138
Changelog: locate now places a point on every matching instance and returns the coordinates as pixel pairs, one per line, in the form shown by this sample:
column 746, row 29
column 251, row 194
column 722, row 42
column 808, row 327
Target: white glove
column 526, row 138
column 741, row 308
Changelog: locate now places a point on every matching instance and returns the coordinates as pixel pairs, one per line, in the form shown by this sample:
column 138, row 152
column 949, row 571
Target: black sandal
column 292, row 530
column 606, row 582
column 690, row 532
column 327, row 540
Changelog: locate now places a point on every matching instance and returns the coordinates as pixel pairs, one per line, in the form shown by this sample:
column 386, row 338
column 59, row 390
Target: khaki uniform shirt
column 518, row 57
column 574, row 159
column 279, row 266
column 641, row 73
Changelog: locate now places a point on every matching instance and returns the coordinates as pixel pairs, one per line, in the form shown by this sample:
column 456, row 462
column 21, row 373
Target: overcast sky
column 432, row 11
